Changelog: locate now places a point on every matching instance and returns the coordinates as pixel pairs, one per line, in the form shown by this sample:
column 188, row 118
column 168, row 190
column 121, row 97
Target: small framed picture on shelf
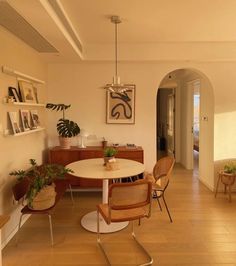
column 35, row 118
column 27, row 91
column 25, row 118
column 13, row 92
column 14, row 122
column 36, row 94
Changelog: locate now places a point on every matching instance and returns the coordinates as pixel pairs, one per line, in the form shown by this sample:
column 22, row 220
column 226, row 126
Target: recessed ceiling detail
column 60, row 17
column 66, row 22
column 17, row 25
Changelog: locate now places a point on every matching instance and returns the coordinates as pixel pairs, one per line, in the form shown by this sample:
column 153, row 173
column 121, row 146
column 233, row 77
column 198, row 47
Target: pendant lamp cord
column 116, row 49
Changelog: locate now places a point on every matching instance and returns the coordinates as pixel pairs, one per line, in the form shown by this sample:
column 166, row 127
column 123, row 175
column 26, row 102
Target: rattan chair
column 161, row 177
column 126, row 202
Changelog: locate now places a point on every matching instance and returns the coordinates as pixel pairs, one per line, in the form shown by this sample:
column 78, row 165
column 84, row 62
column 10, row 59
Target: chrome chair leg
column 130, row 179
column 167, row 208
column 50, row 225
column 18, row 231
column 99, row 240
column 71, row 194
column 134, row 237
column 150, row 262
column 217, row 186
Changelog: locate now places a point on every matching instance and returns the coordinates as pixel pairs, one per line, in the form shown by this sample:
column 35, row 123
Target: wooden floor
column 203, row 232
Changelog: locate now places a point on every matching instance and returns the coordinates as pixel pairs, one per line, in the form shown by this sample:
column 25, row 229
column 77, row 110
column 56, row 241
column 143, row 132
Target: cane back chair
column 126, row 202
column 161, row 173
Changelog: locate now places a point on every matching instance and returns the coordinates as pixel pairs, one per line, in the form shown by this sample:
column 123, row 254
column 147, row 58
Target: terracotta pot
column 64, row 142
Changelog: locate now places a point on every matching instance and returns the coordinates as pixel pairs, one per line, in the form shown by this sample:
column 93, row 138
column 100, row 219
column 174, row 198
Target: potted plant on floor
column 39, row 181
column 230, row 168
column 66, row 128
column 229, row 173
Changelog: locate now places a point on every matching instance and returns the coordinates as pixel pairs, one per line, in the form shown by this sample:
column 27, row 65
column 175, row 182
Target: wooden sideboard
column 66, row 156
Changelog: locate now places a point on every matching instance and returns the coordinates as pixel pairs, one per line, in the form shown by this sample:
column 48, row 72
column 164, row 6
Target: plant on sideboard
column 66, row 128
column 39, row 181
column 110, row 152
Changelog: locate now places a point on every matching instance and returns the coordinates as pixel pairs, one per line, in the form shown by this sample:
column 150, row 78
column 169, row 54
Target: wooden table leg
column 229, row 193
column 217, row 185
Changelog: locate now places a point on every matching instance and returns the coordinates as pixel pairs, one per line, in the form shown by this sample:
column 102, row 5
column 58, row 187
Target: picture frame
column 13, row 92
column 36, row 94
column 27, row 91
column 25, row 119
column 13, row 116
column 35, row 118
column 120, row 107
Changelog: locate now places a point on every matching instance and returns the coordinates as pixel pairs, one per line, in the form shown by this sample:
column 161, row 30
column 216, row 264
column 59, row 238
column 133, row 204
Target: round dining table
column 95, row 169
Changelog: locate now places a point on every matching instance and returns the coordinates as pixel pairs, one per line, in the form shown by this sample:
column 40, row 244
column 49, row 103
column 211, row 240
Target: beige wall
column 16, row 151
column 82, row 84
column 79, row 85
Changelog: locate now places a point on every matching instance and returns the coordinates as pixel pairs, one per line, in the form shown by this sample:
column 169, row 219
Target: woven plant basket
column 228, row 178
column 44, row 199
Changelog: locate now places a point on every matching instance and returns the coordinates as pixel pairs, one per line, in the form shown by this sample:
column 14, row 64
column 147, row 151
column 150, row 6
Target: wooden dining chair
column 126, row 202
column 160, row 180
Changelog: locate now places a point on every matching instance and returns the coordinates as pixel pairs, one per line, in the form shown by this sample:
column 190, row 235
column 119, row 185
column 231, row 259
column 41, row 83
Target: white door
column 171, row 124
column 192, row 85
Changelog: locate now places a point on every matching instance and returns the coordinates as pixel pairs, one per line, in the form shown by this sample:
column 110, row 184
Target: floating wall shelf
column 12, row 72
column 28, row 104
column 25, row 132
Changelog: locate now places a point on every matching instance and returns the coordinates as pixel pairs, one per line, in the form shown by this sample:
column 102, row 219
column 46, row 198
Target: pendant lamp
column 116, row 86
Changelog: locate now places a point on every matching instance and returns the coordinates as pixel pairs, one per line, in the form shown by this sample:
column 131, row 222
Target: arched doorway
column 185, row 86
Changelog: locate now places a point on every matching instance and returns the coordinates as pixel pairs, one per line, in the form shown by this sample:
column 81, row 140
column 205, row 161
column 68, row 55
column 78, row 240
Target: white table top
column 94, row 169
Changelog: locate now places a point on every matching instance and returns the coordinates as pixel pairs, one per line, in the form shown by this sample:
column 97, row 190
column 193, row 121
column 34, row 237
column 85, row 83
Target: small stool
column 228, row 180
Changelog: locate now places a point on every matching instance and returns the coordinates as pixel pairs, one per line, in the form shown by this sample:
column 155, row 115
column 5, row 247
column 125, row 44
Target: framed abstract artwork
column 120, row 106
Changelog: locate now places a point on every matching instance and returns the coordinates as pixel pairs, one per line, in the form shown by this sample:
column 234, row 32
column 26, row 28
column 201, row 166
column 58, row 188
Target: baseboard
column 210, row 187
column 14, row 231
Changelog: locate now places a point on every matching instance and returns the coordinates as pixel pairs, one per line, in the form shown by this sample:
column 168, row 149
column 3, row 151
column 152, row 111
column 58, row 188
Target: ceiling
column 150, row 29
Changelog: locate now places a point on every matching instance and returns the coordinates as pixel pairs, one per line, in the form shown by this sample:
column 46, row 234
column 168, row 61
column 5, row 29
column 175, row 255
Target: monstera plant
column 66, row 128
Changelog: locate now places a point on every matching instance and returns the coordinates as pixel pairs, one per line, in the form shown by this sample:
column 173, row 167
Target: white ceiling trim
column 61, row 26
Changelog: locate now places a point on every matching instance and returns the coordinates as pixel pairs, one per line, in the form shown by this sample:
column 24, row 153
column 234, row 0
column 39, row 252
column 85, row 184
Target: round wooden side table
column 227, row 179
